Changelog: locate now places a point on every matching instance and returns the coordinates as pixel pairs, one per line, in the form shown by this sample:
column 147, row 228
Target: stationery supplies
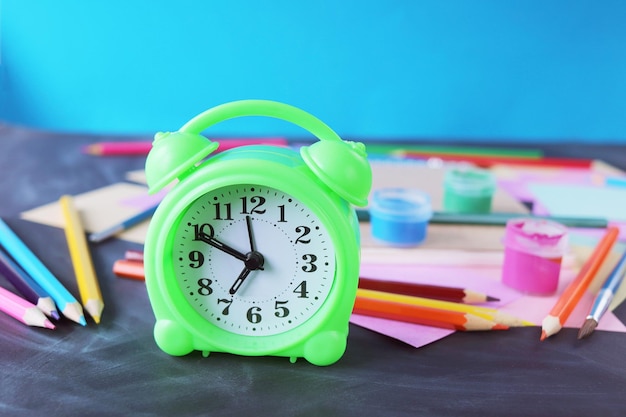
column 81, row 260
column 468, row 189
column 454, row 320
column 129, row 269
column 554, row 321
column 23, row 310
column 489, row 161
column 603, row 298
column 124, row 225
column 532, row 255
column 486, row 313
column 500, row 219
column 399, row 217
column 144, row 147
column 29, row 289
column 66, row 303
column 460, row 295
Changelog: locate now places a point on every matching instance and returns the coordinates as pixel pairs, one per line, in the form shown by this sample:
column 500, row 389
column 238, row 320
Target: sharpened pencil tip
column 587, row 328
column 55, row 315
column 500, row 327
column 490, row 298
column 544, row 336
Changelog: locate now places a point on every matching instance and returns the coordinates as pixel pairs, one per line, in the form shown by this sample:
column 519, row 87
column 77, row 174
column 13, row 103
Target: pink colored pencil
column 22, row 310
column 143, row 147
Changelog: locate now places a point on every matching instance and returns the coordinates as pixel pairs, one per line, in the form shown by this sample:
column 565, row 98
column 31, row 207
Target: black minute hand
column 221, row 246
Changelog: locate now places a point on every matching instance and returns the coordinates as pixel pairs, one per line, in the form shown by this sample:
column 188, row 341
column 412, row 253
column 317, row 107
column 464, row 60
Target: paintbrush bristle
column 587, row 328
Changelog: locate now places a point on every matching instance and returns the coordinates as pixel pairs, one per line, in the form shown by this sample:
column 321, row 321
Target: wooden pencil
column 81, row 260
column 461, row 295
column 453, row 320
column 487, row 313
column 490, row 161
column 66, row 303
column 27, row 286
column 23, row 310
column 124, row 225
column 564, row 306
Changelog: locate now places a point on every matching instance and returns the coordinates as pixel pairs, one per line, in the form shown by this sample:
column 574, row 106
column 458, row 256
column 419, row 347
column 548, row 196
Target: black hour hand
column 221, row 246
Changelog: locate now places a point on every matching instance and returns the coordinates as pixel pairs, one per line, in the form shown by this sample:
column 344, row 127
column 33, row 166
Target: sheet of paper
column 100, row 209
column 582, row 200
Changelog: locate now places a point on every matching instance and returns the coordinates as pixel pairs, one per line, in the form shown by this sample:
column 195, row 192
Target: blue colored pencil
column 126, row 224
column 67, row 304
column 604, row 298
column 27, row 286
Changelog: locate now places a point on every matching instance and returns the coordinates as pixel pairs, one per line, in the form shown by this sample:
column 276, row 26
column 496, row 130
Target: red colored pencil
column 454, row 320
column 489, row 161
column 459, row 295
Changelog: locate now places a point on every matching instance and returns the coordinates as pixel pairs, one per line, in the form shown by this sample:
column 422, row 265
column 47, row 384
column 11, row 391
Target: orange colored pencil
column 554, row 321
column 427, row 316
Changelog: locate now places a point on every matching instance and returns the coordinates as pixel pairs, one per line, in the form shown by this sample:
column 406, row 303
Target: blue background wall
column 518, row 70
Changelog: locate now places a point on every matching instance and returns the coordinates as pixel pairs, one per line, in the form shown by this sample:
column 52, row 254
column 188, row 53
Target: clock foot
column 205, row 353
column 325, row 348
column 172, row 338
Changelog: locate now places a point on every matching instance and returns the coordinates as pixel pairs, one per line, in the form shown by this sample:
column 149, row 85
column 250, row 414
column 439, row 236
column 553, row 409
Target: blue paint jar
column 399, row 216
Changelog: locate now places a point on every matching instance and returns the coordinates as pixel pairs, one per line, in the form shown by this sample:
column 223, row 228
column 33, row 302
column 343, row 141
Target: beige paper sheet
column 99, row 209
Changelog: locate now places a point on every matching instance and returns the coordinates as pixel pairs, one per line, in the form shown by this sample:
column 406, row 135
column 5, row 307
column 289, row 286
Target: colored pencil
column 66, row 303
column 81, row 259
column 27, row 286
column 489, row 161
column 390, row 149
column 133, row 255
column 126, row 268
column 487, row 313
column 124, row 225
column 23, row 310
column 118, row 148
column 143, row 147
column 408, row 313
column 603, row 298
column 555, row 320
column 460, row 295
column 500, row 219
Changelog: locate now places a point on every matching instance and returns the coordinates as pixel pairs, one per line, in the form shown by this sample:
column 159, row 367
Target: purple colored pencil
column 26, row 286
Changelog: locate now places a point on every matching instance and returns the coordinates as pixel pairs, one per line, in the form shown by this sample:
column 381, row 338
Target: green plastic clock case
column 328, row 176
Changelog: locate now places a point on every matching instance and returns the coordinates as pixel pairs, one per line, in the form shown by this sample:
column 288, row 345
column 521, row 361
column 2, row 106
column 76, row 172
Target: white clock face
column 253, row 260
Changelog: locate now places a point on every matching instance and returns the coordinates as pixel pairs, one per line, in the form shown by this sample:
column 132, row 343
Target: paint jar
column 468, row 189
column 399, row 216
column 533, row 252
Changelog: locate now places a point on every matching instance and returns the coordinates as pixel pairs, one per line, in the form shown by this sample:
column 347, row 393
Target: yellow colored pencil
column 81, row 259
column 488, row 313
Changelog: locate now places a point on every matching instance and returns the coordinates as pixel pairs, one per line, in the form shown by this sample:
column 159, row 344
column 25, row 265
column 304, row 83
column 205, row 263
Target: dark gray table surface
column 115, row 368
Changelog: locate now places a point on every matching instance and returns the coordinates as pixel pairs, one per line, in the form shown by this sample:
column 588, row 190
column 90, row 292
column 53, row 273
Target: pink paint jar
column 533, row 250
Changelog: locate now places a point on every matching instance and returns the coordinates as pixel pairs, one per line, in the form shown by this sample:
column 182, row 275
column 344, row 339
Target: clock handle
column 263, row 108
column 341, row 165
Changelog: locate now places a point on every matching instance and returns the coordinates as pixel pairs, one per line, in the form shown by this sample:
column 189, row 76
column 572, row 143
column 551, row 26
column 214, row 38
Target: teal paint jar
column 399, row 217
column 468, row 189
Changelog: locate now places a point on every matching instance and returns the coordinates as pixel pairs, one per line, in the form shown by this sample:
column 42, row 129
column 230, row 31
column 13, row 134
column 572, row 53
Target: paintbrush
column 603, row 298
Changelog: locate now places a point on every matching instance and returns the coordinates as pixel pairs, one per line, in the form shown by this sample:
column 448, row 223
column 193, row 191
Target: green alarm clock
column 255, row 250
